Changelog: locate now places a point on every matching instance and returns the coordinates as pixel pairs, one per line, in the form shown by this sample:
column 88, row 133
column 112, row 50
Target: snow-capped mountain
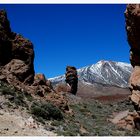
column 103, row 72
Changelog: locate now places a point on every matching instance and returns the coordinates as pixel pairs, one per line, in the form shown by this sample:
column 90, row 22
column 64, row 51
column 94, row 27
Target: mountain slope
column 103, row 72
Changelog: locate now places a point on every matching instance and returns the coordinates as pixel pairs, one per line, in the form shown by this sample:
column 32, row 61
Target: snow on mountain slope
column 103, row 72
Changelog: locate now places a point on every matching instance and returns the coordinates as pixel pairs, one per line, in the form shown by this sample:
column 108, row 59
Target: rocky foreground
column 22, row 114
column 31, row 106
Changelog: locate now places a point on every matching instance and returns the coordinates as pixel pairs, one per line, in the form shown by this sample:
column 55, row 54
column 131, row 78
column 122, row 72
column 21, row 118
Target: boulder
column 126, row 120
column 16, row 69
column 41, row 85
column 39, row 79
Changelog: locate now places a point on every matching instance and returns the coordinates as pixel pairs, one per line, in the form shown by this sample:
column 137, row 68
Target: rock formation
column 16, row 54
column 17, row 61
column 17, row 66
column 41, row 85
column 132, row 15
column 62, row 87
column 72, row 78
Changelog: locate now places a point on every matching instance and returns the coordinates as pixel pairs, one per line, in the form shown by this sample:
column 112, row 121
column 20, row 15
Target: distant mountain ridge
column 103, row 72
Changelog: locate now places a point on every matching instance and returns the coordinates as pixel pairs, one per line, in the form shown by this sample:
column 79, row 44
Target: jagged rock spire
column 72, row 78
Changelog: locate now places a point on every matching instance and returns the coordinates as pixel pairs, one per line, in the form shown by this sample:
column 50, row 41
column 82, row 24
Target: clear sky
column 77, row 35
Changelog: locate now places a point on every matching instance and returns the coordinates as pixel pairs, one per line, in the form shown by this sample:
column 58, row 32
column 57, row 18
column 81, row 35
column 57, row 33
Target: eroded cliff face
column 132, row 15
column 17, row 61
column 16, row 54
column 17, row 66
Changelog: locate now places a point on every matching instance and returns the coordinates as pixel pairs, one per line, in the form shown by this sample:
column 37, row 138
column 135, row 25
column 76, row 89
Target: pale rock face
column 135, row 77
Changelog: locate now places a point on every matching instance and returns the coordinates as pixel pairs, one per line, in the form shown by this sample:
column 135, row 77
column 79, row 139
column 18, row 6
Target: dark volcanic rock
column 22, row 49
column 14, row 46
column 17, row 61
column 72, row 78
column 132, row 15
column 5, row 43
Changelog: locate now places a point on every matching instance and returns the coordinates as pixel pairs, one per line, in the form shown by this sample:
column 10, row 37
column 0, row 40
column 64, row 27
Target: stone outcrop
column 132, row 15
column 17, row 61
column 72, row 78
column 125, row 120
column 59, row 100
column 17, row 66
column 5, row 43
column 62, row 87
column 16, row 53
column 41, row 85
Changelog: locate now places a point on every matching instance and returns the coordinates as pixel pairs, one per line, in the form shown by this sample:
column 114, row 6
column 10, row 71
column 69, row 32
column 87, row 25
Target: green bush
column 46, row 110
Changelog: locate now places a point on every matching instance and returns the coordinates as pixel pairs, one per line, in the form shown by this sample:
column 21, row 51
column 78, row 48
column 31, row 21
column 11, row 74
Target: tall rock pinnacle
column 72, row 79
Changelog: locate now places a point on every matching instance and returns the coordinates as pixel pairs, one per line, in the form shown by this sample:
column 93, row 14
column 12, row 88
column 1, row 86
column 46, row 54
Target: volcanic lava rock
column 17, row 61
column 22, row 49
column 42, row 85
column 132, row 15
column 72, row 78
column 16, row 53
column 5, row 43
column 39, row 79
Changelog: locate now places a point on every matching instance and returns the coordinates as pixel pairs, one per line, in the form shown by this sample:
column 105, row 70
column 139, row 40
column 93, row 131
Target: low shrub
column 46, row 110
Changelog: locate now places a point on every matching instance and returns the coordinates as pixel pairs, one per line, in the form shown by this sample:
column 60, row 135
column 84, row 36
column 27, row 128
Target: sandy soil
column 15, row 124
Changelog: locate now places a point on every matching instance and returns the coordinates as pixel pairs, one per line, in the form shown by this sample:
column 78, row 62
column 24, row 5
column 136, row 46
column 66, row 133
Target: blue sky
column 76, row 35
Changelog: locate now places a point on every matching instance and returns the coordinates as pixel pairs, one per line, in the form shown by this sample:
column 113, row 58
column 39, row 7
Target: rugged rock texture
column 72, row 78
column 17, row 68
column 62, row 87
column 5, row 43
column 41, row 85
column 59, row 100
column 132, row 15
column 17, row 61
column 16, row 53
column 22, row 49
